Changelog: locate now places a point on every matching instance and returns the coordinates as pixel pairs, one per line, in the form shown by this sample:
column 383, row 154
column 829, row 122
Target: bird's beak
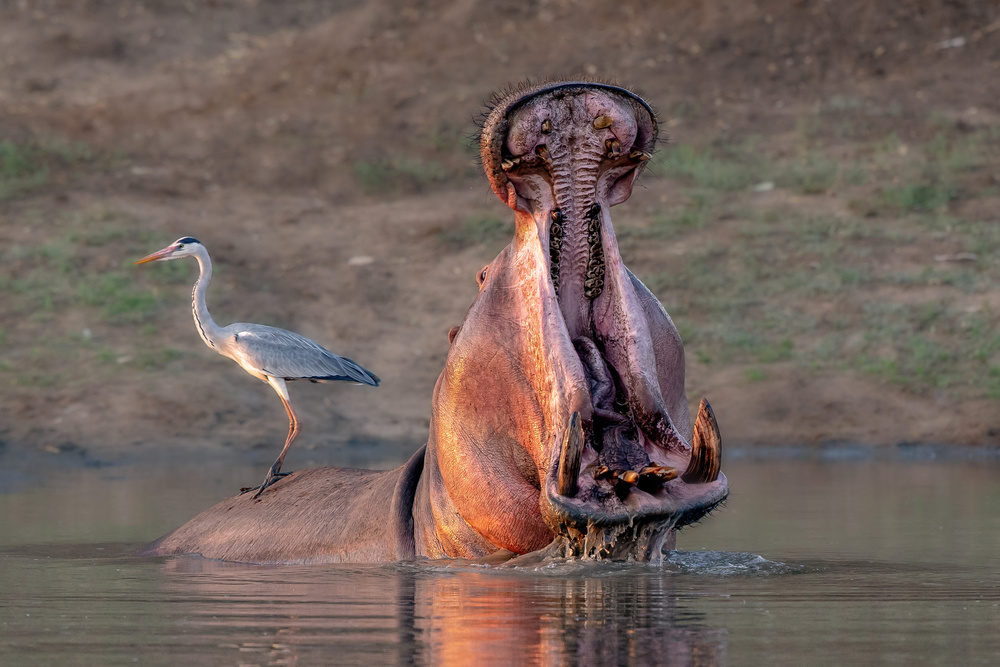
column 159, row 254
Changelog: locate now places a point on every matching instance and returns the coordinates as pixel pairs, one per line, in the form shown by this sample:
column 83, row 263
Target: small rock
column 360, row 260
column 957, row 257
column 953, row 43
column 766, row 186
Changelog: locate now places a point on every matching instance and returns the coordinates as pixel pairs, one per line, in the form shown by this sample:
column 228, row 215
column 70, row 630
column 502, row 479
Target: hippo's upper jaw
column 621, row 467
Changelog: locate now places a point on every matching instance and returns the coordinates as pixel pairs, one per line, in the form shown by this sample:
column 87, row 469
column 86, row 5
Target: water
column 854, row 561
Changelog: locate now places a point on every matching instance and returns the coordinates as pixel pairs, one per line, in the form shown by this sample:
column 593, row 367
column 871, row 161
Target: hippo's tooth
column 543, row 153
column 613, row 147
column 659, row 473
column 602, row 122
column 546, row 126
column 601, row 471
column 641, row 156
column 570, row 456
column 706, row 448
column 652, row 478
column 510, row 163
column 630, row 477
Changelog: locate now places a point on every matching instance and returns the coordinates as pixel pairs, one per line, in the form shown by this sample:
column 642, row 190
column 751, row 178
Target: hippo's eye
column 481, row 278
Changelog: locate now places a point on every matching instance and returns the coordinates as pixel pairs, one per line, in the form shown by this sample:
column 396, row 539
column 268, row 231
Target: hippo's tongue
column 569, row 157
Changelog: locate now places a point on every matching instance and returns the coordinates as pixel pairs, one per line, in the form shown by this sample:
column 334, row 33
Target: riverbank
column 823, row 224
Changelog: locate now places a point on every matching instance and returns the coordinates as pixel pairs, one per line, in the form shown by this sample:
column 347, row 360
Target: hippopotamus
column 560, row 424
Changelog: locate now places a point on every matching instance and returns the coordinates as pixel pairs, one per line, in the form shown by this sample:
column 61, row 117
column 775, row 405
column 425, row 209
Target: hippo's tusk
column 570, row 456
column 706, row 448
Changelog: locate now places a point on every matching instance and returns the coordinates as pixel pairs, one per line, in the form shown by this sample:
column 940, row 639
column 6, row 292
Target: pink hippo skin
column 560, row 423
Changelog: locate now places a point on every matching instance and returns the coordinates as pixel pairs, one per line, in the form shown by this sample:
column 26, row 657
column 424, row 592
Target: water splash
column 725, row 564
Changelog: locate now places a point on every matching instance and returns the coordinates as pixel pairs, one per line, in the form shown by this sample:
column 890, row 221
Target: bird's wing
column 288, row 355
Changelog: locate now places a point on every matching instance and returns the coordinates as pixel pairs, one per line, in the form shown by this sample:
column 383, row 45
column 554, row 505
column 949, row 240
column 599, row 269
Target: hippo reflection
column 449, row 615
column 560, row 421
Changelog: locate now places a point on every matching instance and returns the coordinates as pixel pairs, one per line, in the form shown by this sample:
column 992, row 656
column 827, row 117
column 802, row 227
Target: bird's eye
column 180, row 246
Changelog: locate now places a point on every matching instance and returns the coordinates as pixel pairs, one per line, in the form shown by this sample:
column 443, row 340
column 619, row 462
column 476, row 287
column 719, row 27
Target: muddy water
column 810, row 562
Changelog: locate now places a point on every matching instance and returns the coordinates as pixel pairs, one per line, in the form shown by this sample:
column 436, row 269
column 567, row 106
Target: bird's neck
column 209, row 331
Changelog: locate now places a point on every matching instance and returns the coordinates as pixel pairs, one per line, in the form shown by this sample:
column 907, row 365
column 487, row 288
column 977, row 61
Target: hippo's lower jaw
column 597, row 513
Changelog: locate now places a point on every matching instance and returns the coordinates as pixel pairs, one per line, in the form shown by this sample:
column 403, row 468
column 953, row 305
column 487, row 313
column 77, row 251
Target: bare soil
column 321, row 152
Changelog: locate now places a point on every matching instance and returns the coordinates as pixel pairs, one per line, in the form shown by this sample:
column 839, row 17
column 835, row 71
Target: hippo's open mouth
column 564, row 154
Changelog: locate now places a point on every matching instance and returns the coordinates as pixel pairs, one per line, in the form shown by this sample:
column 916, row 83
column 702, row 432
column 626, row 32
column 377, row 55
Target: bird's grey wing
column 288, row 355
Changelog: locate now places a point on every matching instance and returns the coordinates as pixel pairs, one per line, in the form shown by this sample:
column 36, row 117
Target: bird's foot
column 271, row 478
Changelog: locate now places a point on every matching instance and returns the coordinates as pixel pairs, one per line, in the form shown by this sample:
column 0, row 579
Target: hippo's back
column 311, row 516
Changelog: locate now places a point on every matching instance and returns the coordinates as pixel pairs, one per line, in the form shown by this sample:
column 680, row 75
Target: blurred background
column 823, row 225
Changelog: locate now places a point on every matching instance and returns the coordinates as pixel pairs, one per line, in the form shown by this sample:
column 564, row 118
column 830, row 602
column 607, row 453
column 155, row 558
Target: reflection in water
column 854, row 562
column 421, row 613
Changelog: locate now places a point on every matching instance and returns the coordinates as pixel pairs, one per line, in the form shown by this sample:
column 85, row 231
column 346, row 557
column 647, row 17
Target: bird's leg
column 274, row 473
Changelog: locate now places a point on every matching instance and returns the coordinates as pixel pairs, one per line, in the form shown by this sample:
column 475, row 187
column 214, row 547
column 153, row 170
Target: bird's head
column 182, row 247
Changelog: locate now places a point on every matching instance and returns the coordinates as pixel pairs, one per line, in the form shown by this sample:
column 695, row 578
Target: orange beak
column 159, row 254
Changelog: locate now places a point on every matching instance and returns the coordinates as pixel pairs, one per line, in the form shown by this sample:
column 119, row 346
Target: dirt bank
column 824, row 226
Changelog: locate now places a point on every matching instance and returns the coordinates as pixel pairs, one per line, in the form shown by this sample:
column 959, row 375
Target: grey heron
column 270, row 354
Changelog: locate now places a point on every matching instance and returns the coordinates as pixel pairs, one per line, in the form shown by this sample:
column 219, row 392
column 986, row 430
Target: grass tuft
column 25, row 166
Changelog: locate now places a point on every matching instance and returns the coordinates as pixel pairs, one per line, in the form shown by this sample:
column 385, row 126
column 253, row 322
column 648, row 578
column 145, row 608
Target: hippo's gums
column 560, row 421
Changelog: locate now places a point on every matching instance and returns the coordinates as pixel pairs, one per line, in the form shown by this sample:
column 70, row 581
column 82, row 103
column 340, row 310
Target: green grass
column 121, row 299
column 80, row 283
column 782, row 287
column 156, row 358
column 21, row 170
column 812, row 174
column 918, row 197
column 26, row 166
column 726, row 168
column 80, row 265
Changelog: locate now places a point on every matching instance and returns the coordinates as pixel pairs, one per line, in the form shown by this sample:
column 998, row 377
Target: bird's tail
column 359, row 374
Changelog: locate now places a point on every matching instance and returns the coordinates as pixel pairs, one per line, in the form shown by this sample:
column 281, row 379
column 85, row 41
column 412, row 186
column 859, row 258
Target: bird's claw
column 271, row 478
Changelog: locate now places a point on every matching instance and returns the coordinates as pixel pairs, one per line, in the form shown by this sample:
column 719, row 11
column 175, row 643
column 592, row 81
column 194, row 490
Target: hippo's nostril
column 602, row 122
